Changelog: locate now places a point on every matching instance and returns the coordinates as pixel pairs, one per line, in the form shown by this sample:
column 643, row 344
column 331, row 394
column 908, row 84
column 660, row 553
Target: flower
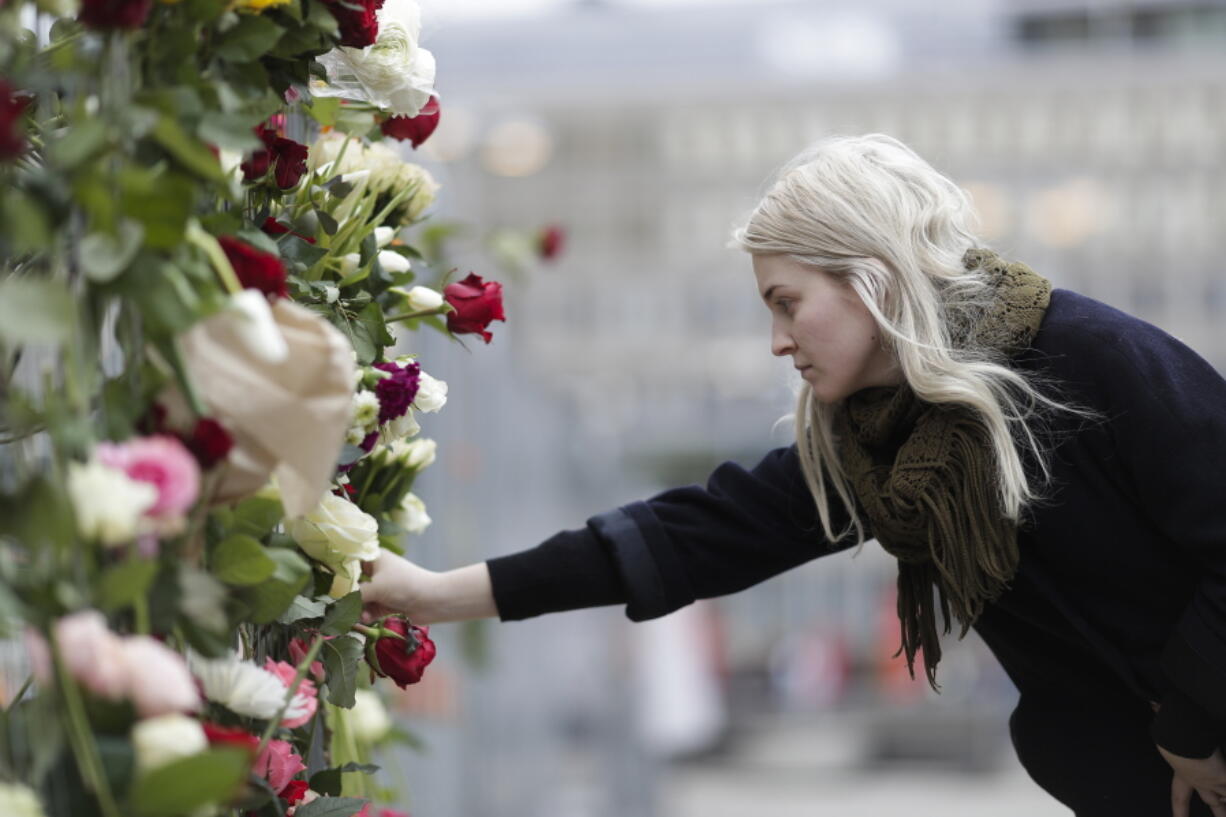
column 18, row 800
column 305, row 698
column 384, row 236
column 209, row 442
column 389, row 174
column 411, row 514
column 161, row 461
column 415, row 129
column 298, row 649
column 273, row 227
column 358, row 21
column 402, row 659
column 107, row 504
column 365, row 410
column 477, row 303
column 255, row 167
column 165, row 739
column 231, row 736
column 243, row 688
column 156, row 678
column 12, row 141
column 396, row 393
column 127, row 14
column 393, row 72
column 338, row 534
column 416, row 454
column 549, row 242
column 393, row 262
column 91, row 653
column 369, row 719
column 287, row 158
column 423, row 299
column 278, row 764
column 431, row 393
column 255, row 269
column 294, row 791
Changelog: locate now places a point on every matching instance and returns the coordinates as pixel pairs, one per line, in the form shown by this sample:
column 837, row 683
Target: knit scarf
column 926, row 476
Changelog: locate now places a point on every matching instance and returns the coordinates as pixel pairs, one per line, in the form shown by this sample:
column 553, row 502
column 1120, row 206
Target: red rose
column 230, row 736
column 294, row 791
column 209, row 442
column 357, row 19
column 476, row 303
column 257, row 164
column 416, row 129
column 255, row 269
column 273, row 227
column 402, row 659
column 114, row 13
column 549, row 242
column 291, row 159
column 12, row 140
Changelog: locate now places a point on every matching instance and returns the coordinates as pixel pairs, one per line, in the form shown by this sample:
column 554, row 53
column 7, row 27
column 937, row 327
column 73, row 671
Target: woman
column 1052, row 468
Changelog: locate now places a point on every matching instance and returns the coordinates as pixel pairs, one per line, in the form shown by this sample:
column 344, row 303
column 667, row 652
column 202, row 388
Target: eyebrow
column 766, row 296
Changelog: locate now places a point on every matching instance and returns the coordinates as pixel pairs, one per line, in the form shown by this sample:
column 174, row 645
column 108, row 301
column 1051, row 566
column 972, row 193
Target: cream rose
column 165, row 739
column 411, row 514
column 339, row 534
column 107, row 503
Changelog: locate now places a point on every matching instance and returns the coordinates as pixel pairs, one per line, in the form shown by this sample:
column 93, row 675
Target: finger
column 1214, row 802
column 1181, row 795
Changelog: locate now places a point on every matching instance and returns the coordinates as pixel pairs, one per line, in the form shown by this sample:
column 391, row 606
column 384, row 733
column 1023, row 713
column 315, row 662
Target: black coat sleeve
column 1167, row 409
column 662, row 553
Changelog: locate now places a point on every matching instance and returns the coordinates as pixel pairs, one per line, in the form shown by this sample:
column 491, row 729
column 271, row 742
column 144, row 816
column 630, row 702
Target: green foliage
column 182, row 786
column 269, row 599
column 342, row 656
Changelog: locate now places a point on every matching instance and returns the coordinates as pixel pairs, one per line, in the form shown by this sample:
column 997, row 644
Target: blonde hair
column 871, row 211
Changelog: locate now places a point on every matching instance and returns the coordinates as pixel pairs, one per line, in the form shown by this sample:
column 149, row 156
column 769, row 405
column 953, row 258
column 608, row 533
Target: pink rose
column 298, row 649
column 278, row 764
column 305, row 699
column 162, row 461
column 92, row 654
column 158, row 681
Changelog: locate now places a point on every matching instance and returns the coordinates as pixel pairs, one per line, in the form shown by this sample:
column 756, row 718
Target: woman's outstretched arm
column 425, row 596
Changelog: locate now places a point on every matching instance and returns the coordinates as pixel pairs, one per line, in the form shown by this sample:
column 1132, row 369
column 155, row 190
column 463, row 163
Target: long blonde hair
column 868, row 209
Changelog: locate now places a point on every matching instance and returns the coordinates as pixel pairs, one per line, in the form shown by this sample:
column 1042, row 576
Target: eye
column 784, row 305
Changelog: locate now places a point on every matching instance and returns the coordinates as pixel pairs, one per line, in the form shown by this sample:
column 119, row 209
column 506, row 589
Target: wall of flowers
column 208, row 231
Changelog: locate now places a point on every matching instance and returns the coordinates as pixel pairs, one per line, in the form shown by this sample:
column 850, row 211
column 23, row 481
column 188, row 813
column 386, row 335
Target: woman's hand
column 398, row 586
column 1205, row 776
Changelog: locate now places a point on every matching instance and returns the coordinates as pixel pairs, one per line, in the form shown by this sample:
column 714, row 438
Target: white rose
column 349, row 263
column 368, row 718
column 411, row 515
column 393, row 262
column 331, row 293
column 398, row 429
column 166, row 738
column 106, row 502
column 355, row 435
column 395, row 73
column 431, row 393
column 336, row 531
column 17, row 800
column 423, row 298
column 419, row 453
column 345, row 578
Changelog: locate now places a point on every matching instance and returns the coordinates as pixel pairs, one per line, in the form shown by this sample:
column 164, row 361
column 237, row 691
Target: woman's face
column 820, row 322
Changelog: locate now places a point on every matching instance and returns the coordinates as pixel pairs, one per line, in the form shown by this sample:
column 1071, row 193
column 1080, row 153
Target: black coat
column 1120, row 592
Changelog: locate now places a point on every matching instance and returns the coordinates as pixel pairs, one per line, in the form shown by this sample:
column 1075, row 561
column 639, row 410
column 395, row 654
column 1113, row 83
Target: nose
column 781, row 342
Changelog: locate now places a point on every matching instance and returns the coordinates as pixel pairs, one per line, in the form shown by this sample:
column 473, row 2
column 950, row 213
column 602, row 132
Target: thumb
column 1181, row 795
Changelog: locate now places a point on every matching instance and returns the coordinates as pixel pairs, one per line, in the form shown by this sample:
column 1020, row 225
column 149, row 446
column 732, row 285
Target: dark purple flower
column 396, row 393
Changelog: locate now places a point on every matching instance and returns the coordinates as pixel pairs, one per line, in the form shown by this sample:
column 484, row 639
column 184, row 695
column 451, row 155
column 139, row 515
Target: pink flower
column 162, row 461
column 278, row 764
column 305, row 699
column 298, row 649
column 157, row 682
column 92, row 654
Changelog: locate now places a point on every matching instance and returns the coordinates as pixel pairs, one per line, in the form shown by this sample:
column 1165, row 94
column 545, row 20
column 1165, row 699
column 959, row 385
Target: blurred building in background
column 1092, row 137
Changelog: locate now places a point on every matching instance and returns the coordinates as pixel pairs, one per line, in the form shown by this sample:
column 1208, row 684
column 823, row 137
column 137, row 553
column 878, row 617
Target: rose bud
column 257, row 164
column 209, row 442
column 12, row 107
column 291, row 159
column 416, row 129
column 255, row 269
column 357, row 20
column 128, row 14
column 476, row 303
column 400, row 650
column 549, row 242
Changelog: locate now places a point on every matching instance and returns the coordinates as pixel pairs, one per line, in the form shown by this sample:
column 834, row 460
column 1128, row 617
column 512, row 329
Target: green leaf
column 251, row 38
column 159, row 200
column 331, row 807
column 79, row 144
column 328, row 781
column 35, row 310
column 229, row 131
column 302, row 608
column 256, row 516
column 273, row 597
column 241, row 560
column 181, row 787
column 324, row 109
column 187, row 150
column 341, row 656
column 124, row 583
column 202, row 599
column 103, row 256
column 342, row 614
column 26, row 223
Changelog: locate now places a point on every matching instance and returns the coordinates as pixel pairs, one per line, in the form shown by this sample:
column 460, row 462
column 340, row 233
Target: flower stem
column 83, row 747
column 304, row 667
column 424, row 313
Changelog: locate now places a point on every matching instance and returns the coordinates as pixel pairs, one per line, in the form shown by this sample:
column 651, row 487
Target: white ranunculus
column 431, row 393
column 165, row 739
column 395, row 73
column 390, row 174
column 336, row 531
column 325, row 155
column 106, row 502
column 17, row 800
column 422, row 299
column 398, row 429
column 393, row 262
column 365, row 409
column 419, row 453
column 368, row 718
column 411, row 515
column 243, row 688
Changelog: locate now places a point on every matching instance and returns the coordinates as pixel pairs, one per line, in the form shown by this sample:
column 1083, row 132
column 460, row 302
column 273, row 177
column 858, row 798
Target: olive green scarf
column 925, row 475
